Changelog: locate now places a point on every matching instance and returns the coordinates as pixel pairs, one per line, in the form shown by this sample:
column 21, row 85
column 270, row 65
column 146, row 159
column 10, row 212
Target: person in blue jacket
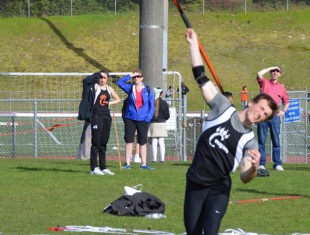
column 138, row 114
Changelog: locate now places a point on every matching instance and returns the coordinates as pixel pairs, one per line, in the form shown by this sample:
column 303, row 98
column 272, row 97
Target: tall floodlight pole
column 71, row 8
column 28, row 8
column 151, row 42
column 115, row 3
column 203, row 6
column 165, row 42
column 165, row 35
column 287, row 8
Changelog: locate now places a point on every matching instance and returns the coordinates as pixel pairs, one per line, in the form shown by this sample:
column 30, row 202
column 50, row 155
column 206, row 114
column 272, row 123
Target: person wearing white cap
column 158, row 130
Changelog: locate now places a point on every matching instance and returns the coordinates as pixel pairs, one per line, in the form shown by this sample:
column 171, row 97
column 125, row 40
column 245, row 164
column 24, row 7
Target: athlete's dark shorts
column 130, row 130
column 205, row 207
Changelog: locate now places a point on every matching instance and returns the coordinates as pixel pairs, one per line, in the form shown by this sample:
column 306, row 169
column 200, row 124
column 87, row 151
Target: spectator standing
column 278, row 92
column 228, row 95
column 169, row 93
column 136, row 156
column 158, row 130
column 184, row 89
column 100, row 97
column 138, row 114
column 244, row 94
column 226, row 141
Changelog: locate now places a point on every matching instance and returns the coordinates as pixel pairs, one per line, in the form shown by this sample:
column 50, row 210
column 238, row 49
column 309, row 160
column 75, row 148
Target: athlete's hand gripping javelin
column 207, row 88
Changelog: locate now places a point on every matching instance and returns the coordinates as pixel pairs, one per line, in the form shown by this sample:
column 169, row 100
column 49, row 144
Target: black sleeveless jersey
column 101, row 105
column 219, row 150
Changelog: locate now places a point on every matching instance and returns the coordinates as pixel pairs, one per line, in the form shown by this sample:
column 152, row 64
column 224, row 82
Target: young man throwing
column 226, row 141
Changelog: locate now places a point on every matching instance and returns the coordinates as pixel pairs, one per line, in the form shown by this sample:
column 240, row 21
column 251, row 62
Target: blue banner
column 293, row 112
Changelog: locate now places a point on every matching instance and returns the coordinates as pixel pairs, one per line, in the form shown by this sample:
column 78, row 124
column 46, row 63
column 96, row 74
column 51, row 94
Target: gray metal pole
column 115, row 3
column 35, row 128
column 71, row 12
column 203, row 6
column 287, row 7
column 13, row 137
column 151, row 41
column 165, row 45
column 184, row 128
column 165, row 35
column 28, row 8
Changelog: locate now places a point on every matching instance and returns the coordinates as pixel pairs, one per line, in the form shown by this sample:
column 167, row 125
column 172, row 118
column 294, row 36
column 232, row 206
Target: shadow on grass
column 298, row 168
column 38, row 169
column 70, row 46
column 264, row 193
column 76, row 163
column 182, row 164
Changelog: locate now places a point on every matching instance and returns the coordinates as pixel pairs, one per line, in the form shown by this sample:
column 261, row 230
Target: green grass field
column 238, row 46
column 37, row 194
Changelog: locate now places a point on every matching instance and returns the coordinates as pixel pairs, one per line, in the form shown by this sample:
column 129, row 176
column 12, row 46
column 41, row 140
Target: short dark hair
column 271, row 103
column 104, row 71
column 227, row 94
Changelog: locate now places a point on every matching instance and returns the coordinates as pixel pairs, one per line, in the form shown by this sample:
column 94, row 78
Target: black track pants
column 205, row 207
column 100, row 131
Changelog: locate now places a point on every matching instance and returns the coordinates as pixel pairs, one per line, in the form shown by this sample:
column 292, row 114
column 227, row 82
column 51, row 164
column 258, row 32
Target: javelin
column 116, row 134
column 203, row 53
column 265, row 199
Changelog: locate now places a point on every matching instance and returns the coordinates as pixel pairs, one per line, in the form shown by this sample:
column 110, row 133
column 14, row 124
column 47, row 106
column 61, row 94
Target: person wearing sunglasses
column 139, row 112
column 278, row 92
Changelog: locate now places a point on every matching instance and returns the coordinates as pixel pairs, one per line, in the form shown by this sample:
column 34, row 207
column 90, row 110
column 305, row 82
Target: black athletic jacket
column 88, row 96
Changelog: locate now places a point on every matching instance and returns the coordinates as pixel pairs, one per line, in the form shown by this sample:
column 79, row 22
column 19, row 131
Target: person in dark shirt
column 228, row 95
column 103, row 97
column 158, row 129
column 226, row 141
column 184, row 89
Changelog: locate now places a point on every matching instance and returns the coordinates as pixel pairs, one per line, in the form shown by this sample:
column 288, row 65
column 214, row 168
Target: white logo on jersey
column 223, row 134
column 95, row 127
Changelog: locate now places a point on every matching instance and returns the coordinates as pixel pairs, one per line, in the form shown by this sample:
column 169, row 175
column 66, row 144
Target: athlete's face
column 103, row 80
column 258, row 112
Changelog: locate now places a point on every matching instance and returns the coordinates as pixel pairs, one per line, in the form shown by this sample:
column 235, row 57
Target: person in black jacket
column 158, row 130
column 184, row 89
column 95, row 109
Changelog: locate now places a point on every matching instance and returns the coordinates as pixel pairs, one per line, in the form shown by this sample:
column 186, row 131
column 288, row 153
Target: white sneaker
column 136, row 158
column 261, row 167
column 279, row 168
column 96, row 171
column 108, row 172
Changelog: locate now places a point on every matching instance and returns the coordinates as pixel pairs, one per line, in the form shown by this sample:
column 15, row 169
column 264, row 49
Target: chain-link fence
column 38, row 117
column 294, row 135
column 295, row 131
column 39, row 8
column 242, row 5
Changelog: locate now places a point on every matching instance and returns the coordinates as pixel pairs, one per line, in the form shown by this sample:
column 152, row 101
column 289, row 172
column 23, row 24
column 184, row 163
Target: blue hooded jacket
column 146, row 111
